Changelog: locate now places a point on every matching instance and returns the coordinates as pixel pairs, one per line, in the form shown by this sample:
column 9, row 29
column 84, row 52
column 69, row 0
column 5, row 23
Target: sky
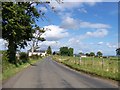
column 84, row 26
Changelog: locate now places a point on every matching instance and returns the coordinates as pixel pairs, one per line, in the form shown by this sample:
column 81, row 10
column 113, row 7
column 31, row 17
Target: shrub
column 5, row 62
column 4, row 56
column 24, row 57
column 105, row 57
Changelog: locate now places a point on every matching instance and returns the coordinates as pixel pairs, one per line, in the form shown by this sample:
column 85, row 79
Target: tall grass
column 8, row 69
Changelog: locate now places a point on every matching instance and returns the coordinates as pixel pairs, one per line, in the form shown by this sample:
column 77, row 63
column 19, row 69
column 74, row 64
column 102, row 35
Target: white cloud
column 55, row 45
column 78, row 39
column 100, row 43
column 70, row 23
column 97, row 33
column 65, row 5
column 72, row 4
column 93, row 25
column 82, row 10
column 49, row 43
column 55, row 33
column 110, row 45
column 3, row 44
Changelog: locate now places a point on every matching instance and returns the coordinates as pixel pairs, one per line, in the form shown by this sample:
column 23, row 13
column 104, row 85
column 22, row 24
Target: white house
column 38, row 52
column 83, row 56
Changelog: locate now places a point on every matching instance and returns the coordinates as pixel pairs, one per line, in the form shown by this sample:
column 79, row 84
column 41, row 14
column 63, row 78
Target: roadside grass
column 104, row 67
column 9, row 70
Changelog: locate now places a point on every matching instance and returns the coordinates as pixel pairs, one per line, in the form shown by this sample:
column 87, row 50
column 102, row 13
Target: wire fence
column 107, row 67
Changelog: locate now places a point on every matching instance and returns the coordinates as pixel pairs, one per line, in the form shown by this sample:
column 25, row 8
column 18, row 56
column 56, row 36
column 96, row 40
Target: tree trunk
column 12, row 52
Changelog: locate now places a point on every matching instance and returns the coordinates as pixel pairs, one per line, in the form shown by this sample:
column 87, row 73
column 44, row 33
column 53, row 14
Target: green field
column 105, row 67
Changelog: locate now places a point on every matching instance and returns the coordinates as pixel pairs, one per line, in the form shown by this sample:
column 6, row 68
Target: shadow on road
column 33, row 64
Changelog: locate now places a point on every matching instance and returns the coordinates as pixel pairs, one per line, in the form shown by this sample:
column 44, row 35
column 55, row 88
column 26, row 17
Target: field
column 104, row 67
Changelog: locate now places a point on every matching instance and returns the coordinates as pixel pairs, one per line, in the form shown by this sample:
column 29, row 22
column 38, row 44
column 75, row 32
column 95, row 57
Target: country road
column 50, row 74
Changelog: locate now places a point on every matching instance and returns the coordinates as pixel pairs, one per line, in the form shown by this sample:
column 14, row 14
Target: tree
column 54, row 53
column 92, row 54
column 118, row 51
column 87, row 54
column 70, row 52
column 18, row 23
column 37, row 37
column 49, row 51
column 64, row 51
column 18, row 20
column 99, row 54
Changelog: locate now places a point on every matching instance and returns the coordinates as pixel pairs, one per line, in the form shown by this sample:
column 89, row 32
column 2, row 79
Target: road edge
column 113, row 82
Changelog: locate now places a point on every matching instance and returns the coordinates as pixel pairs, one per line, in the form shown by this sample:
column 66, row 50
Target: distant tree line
column 65, row 51
column 98, row 54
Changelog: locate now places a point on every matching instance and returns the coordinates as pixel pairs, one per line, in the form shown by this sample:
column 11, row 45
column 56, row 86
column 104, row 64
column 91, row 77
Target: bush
column 23, row 57
column 4, row 56
column 5, row 63
column 105, row 57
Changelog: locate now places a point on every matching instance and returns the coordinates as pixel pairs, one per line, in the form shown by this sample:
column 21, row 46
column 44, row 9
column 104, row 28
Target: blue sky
column 85, row 27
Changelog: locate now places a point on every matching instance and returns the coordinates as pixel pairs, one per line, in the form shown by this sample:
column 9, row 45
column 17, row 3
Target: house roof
column 42, row 51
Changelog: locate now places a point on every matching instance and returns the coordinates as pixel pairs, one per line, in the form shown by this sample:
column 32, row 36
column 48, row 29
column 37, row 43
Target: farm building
column 38, row 52
column 83, row 55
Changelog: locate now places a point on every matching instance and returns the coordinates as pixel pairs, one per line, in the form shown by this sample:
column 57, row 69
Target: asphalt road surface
column 50, row 74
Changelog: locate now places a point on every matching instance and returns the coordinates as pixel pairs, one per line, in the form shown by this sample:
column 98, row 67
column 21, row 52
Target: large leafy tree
column 18, row 20
column 65, row 51
column 70, row 52
column 99, row 54
column 92, row 54
column 18, row 24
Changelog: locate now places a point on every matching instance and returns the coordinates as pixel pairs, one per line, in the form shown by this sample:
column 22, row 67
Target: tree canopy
column 70, row 53
column 99, row 54
column 18, row 23
column 65, row 51
column 92, row 54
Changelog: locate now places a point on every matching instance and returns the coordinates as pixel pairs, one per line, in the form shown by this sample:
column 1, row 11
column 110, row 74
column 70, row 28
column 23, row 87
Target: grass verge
column 10, row 69
column 88, row 68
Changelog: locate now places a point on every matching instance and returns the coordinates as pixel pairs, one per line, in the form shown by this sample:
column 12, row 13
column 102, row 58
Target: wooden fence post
column 102, row 63
column 93, row 61
column 80, row 60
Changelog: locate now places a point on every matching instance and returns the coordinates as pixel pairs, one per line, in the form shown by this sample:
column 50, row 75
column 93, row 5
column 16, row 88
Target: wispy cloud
column 69, row 23
column 82, row 10
column 84, row 24
column 97, row 33
column 70, row 4
column 100, row 43
column 111, row 45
